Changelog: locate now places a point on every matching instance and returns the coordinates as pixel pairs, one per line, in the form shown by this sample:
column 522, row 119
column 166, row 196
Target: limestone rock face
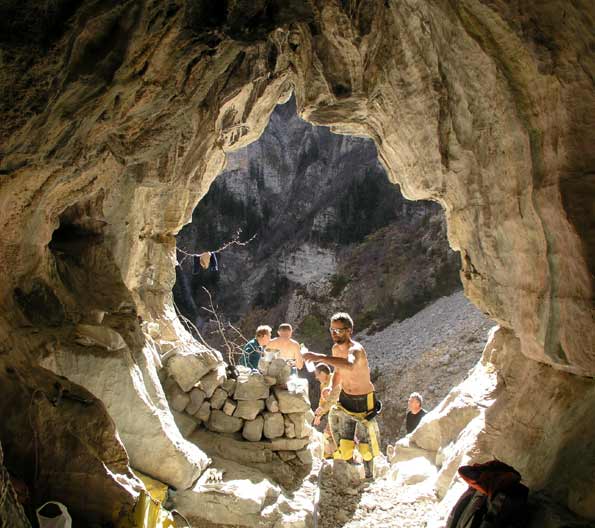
column 95, row 459
column 484, row 107
column 239, row 499
column 103, row 336
column 139, row 410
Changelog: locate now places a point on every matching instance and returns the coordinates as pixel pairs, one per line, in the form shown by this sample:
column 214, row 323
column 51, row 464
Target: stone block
column 204, row 413
column 177, row 398
column 251, row 386
column 289, row 427
column 229, row 386
column 248, row 409
column 288, row 444
column 189, row 366
column 294, row 399
column 196, row 397
column 219, row 422
column 229, row 407
column 280, row 370
column 212, row 380
column 218, row 399
column 274, row 425
column 186, row 424
column 252, row 430
column 272, row 404
column 305, row 456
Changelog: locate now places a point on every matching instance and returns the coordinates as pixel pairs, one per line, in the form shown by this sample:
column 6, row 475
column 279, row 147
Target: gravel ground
column 380, row 503
column 429, row 353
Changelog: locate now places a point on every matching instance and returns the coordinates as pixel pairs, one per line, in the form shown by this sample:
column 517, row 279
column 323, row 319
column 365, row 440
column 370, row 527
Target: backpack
column 495, row 498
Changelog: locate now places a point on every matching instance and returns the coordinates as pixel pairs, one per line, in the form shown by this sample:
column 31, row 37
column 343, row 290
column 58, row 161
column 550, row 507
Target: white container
column 270, row 354
column 310, row 366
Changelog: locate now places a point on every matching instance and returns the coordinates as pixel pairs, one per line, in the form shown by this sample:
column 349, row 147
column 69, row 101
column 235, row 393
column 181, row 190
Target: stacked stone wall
column 265, row 409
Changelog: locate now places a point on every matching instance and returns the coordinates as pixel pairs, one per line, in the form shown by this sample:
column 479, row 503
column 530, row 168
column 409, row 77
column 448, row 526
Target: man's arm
column 354, row 360
column 299, row 360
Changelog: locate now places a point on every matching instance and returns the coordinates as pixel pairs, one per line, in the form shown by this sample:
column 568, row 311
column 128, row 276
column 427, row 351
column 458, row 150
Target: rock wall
column 117, row 118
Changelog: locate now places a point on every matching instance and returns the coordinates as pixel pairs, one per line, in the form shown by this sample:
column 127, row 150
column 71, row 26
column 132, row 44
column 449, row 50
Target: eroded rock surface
column 117, row 118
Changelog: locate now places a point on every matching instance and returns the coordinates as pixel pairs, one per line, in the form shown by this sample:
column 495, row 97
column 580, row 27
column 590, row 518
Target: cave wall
column 126, row 111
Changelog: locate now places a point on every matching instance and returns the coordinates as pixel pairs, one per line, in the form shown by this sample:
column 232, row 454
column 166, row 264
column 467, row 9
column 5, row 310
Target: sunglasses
column 338, row 331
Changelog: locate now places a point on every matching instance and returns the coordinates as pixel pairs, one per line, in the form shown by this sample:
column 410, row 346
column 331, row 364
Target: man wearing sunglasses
column 354, row 413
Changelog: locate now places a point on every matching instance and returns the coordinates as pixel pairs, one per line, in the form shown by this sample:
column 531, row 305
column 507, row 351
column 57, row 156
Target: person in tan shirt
column 353, row 415
column 289, row 349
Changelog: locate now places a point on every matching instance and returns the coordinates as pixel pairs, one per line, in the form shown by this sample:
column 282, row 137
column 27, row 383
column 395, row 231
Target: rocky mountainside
column 331, row 233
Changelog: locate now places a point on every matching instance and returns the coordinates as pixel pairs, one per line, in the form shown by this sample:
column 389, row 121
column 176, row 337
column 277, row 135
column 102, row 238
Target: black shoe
column 369, row 469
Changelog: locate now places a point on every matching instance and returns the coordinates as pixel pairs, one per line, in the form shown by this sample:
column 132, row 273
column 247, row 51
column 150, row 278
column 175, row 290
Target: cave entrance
column 323, row 230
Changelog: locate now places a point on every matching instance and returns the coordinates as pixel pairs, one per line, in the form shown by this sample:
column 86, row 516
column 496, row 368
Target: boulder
column 204, row 413
column 252, row 430
column 229, row 406
column 101, row 336
column 248, row 409
column 218, row 399
column 412, row 471
column 274, row 425
column 251, row 386
column 280, row 370
column 196, row 397
column 190, row 365
column 294, row 399
column 240, row 498
column 130, row 389
column 272, row 404
column 220, row 422
column 212, row 380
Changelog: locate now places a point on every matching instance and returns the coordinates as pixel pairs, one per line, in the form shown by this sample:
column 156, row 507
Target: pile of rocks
column 269, row 406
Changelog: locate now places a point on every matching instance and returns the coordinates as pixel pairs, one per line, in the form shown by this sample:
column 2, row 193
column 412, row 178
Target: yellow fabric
column 345, row 450
column 364, row 450
column 147, row 513
column 373, row 433
column 156, row 488
column 370, row 401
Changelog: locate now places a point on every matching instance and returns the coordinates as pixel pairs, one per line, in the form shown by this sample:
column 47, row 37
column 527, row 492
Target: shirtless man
column 354, row 413
column 289, row 349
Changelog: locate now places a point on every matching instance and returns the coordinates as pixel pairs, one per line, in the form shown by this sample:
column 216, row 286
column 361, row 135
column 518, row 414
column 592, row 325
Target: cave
column 116, row 120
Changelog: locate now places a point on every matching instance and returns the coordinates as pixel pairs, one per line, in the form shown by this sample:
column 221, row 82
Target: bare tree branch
column 235, row 241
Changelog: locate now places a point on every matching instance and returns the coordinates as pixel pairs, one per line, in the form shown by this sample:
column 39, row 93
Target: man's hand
column 316, row 420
